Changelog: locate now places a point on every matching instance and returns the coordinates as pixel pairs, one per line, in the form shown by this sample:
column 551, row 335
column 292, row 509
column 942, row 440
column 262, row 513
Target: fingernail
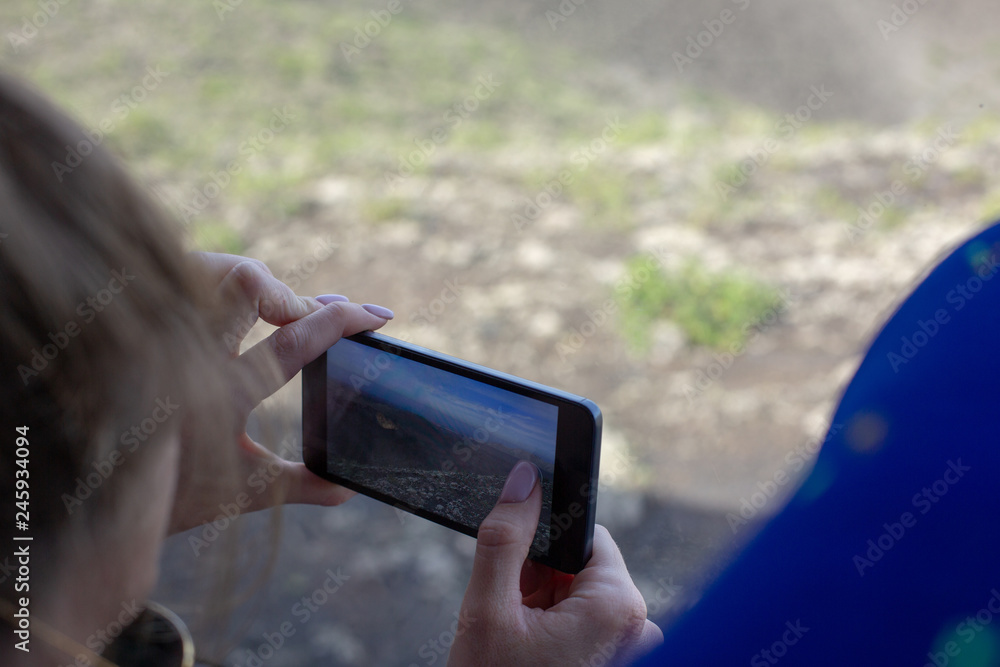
column 519, row 484
column 378, row 311
column 330, row 298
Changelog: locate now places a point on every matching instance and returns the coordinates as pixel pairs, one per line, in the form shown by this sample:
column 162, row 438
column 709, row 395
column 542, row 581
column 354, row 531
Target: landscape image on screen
column 432, row 439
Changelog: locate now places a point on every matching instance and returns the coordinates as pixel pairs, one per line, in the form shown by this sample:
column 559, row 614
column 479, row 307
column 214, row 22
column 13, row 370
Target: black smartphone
column 437, row 436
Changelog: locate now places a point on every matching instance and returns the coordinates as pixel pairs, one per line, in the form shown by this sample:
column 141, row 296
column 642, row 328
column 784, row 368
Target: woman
column 124, row 408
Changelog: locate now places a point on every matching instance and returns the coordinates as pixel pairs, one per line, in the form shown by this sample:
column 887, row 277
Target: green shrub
column 604, row 196
column 713, row 309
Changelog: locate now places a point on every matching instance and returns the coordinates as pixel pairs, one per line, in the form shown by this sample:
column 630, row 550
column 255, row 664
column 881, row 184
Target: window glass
column 695, row 213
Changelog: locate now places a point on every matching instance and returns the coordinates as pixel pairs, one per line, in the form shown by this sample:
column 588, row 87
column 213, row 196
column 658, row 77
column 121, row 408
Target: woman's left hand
column 306, row 328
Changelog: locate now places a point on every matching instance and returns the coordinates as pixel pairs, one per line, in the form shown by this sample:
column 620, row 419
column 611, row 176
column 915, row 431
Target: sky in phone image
column 475, row 412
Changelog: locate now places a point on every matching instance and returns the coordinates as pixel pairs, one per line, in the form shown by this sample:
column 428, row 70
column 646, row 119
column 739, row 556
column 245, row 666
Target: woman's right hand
column 517, row 612
column 306, row 327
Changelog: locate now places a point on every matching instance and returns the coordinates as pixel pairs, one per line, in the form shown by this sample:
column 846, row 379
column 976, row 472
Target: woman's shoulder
column 889, row 543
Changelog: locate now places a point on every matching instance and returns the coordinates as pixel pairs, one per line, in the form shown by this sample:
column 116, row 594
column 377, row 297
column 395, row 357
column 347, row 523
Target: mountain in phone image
column 462, row 497
column 370, row 431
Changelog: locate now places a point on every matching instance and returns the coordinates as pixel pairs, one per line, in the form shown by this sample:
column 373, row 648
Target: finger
column 606, row 564
column 294, row 482
column 249, row 292
column 217, row 264
column 534, row 577
column 311, row 489
column 503, row 541
column 606, row 583
column 650, row 637
column 294, row 345
column 551, row 589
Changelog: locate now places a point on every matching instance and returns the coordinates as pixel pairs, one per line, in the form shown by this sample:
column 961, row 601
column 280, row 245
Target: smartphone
column 437, row 436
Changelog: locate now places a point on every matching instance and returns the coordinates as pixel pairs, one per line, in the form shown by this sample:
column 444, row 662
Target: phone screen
column 432, row 439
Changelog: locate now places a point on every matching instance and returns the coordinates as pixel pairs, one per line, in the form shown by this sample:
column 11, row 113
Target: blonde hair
column 106, row 332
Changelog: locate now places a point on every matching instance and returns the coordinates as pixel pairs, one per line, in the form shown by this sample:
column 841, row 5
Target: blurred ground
column 840, row 208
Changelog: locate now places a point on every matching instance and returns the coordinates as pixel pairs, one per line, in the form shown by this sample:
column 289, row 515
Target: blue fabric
column 889, row 552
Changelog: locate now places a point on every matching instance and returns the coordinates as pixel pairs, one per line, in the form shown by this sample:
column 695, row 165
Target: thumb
column 503, row 541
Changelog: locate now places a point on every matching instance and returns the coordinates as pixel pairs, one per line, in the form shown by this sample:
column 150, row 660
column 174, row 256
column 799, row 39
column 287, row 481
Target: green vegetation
column 423, row 87
column 972, row 176
column 713, row 309
column 716, row 204
column 893, row 217
column 832, row 203
column 142, row 134
column 355, row 106
column 649, row 127
column 484, row 135
column 216, row 236
column 604, row 196
column 384, row 210
column 991, row 207
column 984, row 128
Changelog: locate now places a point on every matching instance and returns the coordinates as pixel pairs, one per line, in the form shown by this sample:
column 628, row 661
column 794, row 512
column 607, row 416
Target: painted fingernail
column 378, row 311
column 519, row 484
column 330, row 298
